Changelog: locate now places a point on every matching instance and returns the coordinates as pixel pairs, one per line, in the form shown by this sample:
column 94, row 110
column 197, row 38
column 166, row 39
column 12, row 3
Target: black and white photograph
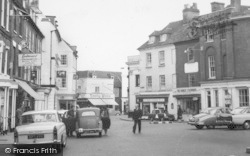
column 125, row 77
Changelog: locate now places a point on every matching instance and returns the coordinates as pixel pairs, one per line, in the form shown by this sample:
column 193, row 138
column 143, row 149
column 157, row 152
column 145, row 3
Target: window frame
column 137, row 80
column 211, row 67
column 209, row 35
column 191, row 80
column 64, row 61
column 162, row 82
column 161, row 58
column 149, row 82
column 148, row 59
column 97, row 89
column 243, row 99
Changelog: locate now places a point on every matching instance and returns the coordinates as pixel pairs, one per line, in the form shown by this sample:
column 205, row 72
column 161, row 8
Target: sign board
column 187, row 91
column 154, row 100
column 191, row 67
column 29, row 60
column 61, row 74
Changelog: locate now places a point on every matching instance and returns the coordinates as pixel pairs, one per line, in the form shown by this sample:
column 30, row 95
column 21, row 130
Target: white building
column 133, row 80
column 157, row 73
column 94, row 90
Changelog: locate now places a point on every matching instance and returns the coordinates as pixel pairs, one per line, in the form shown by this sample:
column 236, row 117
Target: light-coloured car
column 242, row 118
column 211, row 117
column 41, row 127
column 88, row 121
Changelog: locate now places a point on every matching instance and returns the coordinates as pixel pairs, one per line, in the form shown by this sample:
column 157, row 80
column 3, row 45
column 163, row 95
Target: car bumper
column 87, row 131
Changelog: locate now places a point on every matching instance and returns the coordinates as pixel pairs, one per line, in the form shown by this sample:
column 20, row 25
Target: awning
column 110, row 102
column 29, row 90
column 97, row 102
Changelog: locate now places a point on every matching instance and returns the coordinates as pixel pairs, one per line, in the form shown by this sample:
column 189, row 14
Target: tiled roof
column 102, row 74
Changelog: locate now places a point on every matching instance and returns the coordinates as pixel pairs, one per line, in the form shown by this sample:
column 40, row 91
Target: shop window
column 208, row 99
column 244, row 97
column 137, row 80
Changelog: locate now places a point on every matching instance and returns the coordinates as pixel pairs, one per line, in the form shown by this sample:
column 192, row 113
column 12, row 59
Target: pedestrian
column 179, row 112
column 137, row 118
column 105, row 119
column 19, row 113
column 71, row 122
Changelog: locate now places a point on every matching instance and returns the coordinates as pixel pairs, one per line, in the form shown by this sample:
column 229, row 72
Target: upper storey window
column 151, row 39
column 163, row 37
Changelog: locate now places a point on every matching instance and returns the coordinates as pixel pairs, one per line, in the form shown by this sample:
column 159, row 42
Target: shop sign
column 187, row 91
column 154, row 100
column 29, row 60
column 96, row 95
column 106, row 96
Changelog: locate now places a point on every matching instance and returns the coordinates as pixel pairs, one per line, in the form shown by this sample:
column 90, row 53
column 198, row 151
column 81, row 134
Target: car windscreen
column 88, row 113
column 209, row 111
column 36, row 118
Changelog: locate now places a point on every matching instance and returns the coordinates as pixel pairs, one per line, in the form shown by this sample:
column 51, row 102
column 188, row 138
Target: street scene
column 118, row 78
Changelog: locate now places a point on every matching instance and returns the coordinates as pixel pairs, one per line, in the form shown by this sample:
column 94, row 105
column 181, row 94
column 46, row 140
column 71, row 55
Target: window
column 191, row 80
column 208, row 99
column 161, row 58
column 2, row 13
column 7, row 15
column 211, row 67
column 244, row 97
column 163, row 37
column 151, row 39
column 64, row 82
column 209, row 36
column 162, row 82
column 216, row 94
column 149, row 59
column 137, row 80
column 149, row 82
column 79, row 87
column 14, row 61
column 97, row 89
column 63, row 59
column 190, row 55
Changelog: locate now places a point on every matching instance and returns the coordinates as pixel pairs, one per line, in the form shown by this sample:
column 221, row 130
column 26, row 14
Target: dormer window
column 163, row 37
column 151, row 39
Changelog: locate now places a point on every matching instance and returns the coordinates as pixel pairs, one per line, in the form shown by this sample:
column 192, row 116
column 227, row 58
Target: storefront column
column 6, row 109
column 221, row 97
column 13, row 111
column 235, row 98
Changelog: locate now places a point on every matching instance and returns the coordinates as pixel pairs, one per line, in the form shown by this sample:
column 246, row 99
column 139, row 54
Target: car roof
column 38, row 112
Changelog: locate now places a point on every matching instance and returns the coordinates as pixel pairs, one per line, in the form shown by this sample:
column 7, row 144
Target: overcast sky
column 107, row 31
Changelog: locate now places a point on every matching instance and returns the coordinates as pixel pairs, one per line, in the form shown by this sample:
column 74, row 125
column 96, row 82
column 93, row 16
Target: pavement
column 7, row 139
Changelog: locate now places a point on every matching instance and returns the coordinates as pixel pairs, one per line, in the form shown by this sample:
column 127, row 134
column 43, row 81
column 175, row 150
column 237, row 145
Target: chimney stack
column 190, row 12
column 236, row 4
column 216, row 6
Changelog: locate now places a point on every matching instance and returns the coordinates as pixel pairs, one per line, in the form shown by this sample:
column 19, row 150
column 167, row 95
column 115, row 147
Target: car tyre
column 78, row 135
column 231, row 126
column 246, row 125
column 199, row 126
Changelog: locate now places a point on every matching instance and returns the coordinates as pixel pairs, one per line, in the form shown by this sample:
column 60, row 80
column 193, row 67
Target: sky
column 107, row 31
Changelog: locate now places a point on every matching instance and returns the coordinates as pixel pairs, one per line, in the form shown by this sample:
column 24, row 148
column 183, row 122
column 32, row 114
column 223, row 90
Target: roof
column 38, row 112
column 178, row 30
column 102, row 74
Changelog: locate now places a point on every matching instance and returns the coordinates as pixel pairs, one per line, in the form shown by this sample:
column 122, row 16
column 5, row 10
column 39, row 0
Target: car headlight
column 80, row 130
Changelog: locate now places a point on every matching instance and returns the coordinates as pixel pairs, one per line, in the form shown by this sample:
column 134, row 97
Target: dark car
column 159, row 114
column 211, row 117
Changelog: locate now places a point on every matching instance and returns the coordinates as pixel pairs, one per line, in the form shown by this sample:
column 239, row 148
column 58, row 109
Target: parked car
column 114, row 112
column 41, row 127
column 241, row 117
column 159, row 114
column 88, row 121
column 211, row 117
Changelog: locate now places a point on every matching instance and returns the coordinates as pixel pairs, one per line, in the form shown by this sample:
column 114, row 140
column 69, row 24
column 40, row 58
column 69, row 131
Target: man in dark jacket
column 137, row 118
column 71, row 122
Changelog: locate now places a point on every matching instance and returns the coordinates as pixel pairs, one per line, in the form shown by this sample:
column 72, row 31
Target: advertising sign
column 29, row 60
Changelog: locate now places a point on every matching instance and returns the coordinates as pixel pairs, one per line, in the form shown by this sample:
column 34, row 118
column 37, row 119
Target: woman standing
column 105, row 119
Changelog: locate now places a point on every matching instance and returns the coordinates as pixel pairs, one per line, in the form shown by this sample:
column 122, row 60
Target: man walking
column 137, row 118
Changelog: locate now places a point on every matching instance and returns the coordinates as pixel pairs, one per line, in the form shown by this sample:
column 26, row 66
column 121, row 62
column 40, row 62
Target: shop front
column 66, row 101
column 150, row 102
column 189, row 99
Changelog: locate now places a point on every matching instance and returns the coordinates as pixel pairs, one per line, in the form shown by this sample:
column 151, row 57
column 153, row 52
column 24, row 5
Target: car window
column 88, row 113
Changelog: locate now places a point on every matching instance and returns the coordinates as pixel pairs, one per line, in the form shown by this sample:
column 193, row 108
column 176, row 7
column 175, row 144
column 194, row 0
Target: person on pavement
column 105, row 119
column 71, row 122
column 137, row 118
column 179, row 112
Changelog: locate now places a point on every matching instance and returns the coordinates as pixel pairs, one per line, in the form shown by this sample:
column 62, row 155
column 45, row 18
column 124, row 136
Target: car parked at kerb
column 212, row 117
column 41, row 127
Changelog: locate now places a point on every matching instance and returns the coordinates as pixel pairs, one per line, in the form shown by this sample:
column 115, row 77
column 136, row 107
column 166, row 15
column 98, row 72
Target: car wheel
column 78, row 135
column 100, row 134
column 231, row 126
column 246, row 125
column 199, row 126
